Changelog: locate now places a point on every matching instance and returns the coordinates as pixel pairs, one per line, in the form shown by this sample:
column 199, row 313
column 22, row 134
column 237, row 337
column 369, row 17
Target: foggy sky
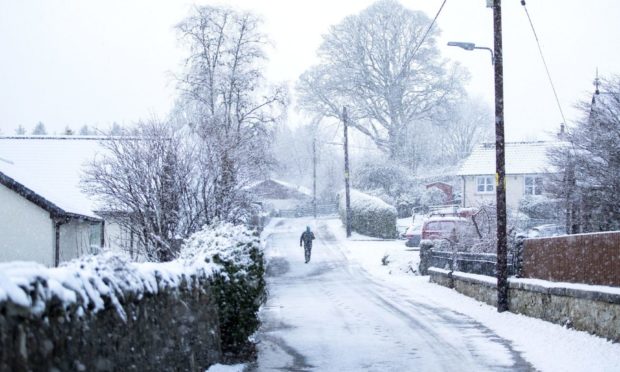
column 70, row 62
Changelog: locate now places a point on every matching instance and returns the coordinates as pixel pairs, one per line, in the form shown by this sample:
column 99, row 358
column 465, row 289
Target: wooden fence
column 583, row 258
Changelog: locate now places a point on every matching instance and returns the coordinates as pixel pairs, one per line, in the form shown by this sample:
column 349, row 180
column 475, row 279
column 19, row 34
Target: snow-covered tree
column 68, row 131
column 226, row 101
column 466, row 124
column 378, row 65
column 115, row 130
column 589, row 164
column 85, row 130
column 39, row 129
column 20, row 130
column 145, row 178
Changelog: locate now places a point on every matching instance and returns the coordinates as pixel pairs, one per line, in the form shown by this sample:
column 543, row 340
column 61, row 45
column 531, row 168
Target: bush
column 370, row 215
column 540, row 207
column 239, row 286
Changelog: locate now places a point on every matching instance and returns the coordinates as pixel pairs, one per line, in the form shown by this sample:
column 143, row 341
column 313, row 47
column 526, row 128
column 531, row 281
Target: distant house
column 446, row 188
column 526, row 169
column 44, row 215
column 277, row 195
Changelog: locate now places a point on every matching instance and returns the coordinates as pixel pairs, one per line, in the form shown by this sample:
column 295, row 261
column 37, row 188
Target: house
column 277, row 195
column 445, row 188
column 526, row 170
column 44, row 214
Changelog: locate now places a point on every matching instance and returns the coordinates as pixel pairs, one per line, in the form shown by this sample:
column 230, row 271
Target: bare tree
column 378, row 64
column 227, row 103
column 466, row 124
column 143, row 178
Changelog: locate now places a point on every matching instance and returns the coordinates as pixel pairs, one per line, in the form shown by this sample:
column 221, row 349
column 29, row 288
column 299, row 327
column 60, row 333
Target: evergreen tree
column 85, row 131
column 589, row 164
column 39, row 129
column 20, row 130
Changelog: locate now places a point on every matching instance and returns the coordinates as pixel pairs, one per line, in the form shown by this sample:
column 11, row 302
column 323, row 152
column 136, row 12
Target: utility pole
column 347, row 191
column 500, row 162
column 314, row 175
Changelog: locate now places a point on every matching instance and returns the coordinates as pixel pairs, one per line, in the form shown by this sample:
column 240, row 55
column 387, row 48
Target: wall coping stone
column 583, row 291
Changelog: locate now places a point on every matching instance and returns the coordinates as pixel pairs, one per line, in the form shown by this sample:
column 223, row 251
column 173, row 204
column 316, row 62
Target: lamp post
column 500, row 162
column 471, row 46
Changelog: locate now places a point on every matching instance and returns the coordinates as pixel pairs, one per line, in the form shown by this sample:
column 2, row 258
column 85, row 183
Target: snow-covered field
column 346, row 310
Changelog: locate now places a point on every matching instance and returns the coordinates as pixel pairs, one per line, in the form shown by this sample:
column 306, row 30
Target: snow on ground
column 227, row 368
column 331, row 315
column 547, row 346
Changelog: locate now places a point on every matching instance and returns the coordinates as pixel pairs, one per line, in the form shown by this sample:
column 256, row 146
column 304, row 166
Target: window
column 485, row 184
column 95, row 237
column 533, row 185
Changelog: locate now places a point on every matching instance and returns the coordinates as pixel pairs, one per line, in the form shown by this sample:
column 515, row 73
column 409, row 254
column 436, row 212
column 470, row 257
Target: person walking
column 306, row 238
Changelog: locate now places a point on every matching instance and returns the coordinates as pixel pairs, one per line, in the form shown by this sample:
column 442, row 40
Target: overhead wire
column 555, row 93
column 428, row 30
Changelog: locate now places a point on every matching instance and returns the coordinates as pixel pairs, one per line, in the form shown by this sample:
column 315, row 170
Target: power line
column 555, row 93
column 428, row 30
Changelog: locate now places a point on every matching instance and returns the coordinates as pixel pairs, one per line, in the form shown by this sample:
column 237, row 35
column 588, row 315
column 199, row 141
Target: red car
column 451, row 228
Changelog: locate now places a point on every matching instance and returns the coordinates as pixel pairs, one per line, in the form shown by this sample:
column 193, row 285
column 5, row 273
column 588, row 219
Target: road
column 330, row 315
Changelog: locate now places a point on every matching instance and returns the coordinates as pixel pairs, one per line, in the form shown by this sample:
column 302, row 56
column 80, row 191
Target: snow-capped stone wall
column 590, row 308
column 107, row 313
column 371, row 216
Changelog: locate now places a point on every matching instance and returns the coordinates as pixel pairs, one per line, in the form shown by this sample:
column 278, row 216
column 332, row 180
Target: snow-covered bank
column 547, row 346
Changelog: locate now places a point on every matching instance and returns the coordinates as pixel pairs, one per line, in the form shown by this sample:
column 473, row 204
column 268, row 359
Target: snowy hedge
column 239, row 285
column 370, row 215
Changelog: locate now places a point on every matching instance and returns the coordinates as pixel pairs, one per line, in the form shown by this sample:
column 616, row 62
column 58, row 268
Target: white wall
column 118, row 238
column 75, row 239
column 515, row 188
column 26, row 230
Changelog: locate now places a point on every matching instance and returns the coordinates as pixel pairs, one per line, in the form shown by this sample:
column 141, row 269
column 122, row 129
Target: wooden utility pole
column 347, row 191
column 502, row 243
column 314, row 175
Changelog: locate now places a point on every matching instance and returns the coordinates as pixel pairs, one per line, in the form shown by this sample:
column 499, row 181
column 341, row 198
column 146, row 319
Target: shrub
column 370, row 215
column 239, row 285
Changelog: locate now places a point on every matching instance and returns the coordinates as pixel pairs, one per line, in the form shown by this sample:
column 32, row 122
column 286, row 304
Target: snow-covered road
column 331, row 315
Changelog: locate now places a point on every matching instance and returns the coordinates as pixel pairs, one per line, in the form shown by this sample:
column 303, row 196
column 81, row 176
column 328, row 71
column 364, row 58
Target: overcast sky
column 72, row 62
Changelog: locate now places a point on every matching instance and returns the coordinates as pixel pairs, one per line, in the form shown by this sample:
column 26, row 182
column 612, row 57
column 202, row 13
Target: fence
column 474, row 263
column 306, row 211
column 584, row 258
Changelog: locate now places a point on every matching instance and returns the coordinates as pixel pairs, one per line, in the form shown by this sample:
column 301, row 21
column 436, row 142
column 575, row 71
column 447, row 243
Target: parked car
column 448, row 227
column 413, row 235
column 543, row 231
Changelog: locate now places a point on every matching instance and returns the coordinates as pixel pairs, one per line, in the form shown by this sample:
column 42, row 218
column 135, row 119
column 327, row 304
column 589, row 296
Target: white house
column 526, row 169
column 44, row 215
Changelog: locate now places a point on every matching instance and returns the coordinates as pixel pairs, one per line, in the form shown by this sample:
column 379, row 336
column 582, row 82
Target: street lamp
column 500, row 160
column 471, row 46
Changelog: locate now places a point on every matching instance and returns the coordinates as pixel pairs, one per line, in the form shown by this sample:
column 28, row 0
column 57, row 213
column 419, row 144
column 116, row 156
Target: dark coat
column 306, row 238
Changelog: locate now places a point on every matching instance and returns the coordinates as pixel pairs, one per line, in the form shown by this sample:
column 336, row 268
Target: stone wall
column 593, row 309
column 174, row 329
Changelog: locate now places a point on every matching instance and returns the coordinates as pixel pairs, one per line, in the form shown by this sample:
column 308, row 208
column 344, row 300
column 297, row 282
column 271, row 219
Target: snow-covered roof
column 299, row 189
column 521, row 158
column 51, row 167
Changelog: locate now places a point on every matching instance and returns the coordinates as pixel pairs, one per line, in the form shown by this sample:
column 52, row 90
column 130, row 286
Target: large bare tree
column 227, row 102
column 379, row 64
